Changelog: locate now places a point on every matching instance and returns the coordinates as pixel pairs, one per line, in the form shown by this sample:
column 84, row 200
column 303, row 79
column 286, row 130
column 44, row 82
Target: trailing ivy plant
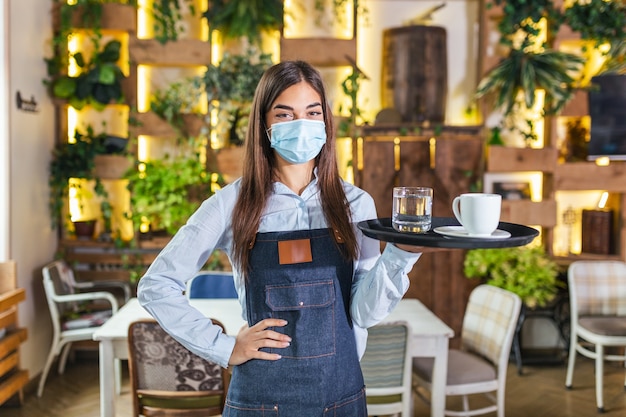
column 597, row 20
column 168, row 16
column 230, row 87
column 526, row 271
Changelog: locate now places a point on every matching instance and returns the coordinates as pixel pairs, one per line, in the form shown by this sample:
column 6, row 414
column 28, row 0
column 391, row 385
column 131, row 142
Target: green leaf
column 107, row 74
column 64, row 87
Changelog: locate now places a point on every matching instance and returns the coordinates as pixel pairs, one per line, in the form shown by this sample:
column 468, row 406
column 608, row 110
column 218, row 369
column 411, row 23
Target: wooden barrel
column 415, row 72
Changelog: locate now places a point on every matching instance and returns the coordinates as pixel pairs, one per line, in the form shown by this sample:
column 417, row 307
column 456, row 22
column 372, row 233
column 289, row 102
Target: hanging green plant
column 168, row 17
column 98, row 83
column 74, row 160
column 597, row 20
column 244, row 18
column 526, row 271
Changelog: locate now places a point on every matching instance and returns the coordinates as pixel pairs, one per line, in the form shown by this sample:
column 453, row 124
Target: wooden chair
column 597, row 292
column 169, row 380
column 480, row 365
column 386, row 367
column 70, row 322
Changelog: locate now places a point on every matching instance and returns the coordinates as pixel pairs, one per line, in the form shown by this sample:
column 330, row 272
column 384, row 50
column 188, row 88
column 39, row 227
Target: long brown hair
column 259, row 164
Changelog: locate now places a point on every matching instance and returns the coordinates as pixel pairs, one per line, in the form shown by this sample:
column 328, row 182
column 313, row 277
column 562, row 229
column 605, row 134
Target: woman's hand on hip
column 251, row 339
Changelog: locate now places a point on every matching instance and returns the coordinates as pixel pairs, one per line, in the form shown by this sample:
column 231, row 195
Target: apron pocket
column 232, row 409
column 351, row 406
column 309, row 308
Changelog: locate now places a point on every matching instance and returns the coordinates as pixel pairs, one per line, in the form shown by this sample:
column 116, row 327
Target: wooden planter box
column 111, row 167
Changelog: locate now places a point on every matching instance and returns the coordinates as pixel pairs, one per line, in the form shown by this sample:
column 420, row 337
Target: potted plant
column 230, row 87
column 72, row 162
column 529, row 65
column 246, row 19
column 526, row 271
column 165, row 192
column 98, row 83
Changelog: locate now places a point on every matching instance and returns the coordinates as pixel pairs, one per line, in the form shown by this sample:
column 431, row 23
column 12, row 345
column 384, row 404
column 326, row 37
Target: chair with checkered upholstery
column 597, row 292
column 386, row 367
column 479, row 366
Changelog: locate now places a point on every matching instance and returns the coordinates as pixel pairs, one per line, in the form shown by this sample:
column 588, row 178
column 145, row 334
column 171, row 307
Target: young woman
column 309, row 282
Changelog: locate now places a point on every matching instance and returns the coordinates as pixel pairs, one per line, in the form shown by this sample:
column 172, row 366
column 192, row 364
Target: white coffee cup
column 478, row 213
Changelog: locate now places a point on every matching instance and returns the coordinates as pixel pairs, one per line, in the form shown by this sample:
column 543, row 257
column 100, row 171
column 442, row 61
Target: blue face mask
column 298, row 141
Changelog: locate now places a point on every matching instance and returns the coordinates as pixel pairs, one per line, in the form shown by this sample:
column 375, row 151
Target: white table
column 430, row 339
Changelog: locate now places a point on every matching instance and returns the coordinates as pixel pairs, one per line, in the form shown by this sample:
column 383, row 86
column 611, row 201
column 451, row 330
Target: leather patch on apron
column 294, row 251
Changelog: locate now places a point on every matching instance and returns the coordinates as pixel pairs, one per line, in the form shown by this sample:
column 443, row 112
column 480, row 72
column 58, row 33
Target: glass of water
column 412, row 209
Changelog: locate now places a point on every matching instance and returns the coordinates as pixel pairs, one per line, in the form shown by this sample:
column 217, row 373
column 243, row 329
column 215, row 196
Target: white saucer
column 459, row 231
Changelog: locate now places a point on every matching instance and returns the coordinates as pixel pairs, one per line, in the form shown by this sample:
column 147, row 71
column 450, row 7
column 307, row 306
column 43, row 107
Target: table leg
column 439, row 378
column 107, row 380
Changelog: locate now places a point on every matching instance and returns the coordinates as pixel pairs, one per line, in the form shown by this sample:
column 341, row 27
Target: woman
column 309, row 282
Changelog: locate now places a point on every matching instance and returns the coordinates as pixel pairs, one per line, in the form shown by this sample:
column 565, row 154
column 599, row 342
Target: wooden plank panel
column 119, row 275
column 12, row 385
column 111, row 258
column 184, row 52
column 9, row 362
column 507, row 159
column 578, row 176
column 11, row 297
column 322, row 52
column 115, row 16
column 151, row 124
column 12, row 341
column 8, row 318
column 529, row 212
column 378, row 177
column 111, row 167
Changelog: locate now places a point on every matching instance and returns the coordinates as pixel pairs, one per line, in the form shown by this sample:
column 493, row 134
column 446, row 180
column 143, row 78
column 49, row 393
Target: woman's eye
column 284, row 116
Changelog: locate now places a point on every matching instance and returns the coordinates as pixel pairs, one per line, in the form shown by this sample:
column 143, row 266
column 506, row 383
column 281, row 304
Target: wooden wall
column 450, row 163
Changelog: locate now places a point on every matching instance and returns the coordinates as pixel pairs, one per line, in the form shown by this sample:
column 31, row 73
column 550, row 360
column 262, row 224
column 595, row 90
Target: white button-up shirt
column 379, row 281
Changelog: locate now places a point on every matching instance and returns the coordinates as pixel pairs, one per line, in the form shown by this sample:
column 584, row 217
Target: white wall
column 459, row 18
column 31, row 136
column 4, row 134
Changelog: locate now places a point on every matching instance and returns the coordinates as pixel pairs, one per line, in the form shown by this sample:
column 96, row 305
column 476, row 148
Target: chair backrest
column 597, row 288
column 163, row 373
column 489, row 323
column 386, row 366
column 56, row 282
column 212, row 284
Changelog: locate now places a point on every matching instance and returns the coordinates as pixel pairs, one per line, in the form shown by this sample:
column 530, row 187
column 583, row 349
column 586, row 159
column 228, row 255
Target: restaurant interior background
column 448, row 45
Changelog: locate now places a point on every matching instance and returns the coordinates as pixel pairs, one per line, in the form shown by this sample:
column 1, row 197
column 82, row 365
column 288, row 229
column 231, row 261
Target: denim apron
column 319, row 373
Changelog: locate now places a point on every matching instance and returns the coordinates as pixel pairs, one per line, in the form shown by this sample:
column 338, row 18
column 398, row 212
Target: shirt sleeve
column 161, row 290
column 380, row 281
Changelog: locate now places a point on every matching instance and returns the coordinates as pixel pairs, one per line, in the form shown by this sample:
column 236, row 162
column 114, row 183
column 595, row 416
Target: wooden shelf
column 508, row 159
column 579, row 176
column 12, row 378
column 541, row 213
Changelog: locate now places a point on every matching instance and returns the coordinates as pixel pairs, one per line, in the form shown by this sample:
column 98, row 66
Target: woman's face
column 300, row 101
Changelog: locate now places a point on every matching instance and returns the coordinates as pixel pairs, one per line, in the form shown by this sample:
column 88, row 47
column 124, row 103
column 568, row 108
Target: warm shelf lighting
column 603, row 199
column 603, row 161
